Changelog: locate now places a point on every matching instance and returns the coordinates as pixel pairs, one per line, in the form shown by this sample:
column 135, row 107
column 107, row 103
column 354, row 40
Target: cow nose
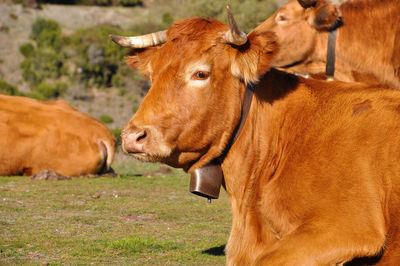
column 133, row 142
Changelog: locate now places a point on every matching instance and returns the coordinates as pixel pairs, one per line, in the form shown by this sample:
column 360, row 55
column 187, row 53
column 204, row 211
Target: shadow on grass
column 215, row 251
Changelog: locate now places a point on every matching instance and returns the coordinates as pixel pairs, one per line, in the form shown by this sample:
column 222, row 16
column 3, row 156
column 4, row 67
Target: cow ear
column 325, row 16
column 140, row 59
column 253, row 59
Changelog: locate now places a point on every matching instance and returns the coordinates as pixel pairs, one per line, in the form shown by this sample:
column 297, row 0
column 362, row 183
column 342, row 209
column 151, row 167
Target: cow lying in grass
column 314, row 175
column 37, row 135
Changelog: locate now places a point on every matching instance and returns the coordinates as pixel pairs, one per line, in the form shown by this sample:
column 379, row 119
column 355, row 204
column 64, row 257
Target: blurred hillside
column 63, row 51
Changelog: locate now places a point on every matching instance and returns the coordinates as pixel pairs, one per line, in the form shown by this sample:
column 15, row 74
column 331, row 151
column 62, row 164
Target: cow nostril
column 141, row 136
column 134, row 141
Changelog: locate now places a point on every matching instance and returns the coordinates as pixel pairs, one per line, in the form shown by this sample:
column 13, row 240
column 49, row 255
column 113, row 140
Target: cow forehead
column 183, row 56
column 189, row 40
column 195, row 29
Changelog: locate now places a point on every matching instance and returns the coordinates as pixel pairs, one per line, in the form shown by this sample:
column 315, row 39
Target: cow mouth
column 138, row 154
column 145, row 157
column 142, row 156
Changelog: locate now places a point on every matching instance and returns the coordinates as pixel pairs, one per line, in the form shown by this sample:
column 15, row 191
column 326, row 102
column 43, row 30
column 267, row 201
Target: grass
column 141, row 218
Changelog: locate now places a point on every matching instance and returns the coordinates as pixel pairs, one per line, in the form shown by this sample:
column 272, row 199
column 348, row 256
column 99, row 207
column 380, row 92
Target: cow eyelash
column 201, row 75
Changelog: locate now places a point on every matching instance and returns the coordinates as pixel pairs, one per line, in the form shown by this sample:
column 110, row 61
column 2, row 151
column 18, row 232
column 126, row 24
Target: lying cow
column 367, row 42
column 313, row 177
column 38, row 135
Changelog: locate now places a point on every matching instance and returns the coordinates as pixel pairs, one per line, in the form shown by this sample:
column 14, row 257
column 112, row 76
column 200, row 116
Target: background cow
column 368, row 38
column 38, row 135
column 314, row 176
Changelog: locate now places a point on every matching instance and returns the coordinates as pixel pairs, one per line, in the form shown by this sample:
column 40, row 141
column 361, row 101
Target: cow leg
column 323, row 245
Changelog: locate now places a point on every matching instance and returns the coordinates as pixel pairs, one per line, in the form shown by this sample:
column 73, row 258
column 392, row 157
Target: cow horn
column 143, row 41
column 307, row 3
column 234, row 35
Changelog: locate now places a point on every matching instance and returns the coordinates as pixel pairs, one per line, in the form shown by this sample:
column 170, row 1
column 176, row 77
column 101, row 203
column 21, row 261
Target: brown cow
column 38, row 135
column 368, row 38
column 314, row 176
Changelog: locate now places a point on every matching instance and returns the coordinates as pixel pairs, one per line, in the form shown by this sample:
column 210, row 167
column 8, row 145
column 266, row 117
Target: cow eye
column 280, row 18
column 201, row 75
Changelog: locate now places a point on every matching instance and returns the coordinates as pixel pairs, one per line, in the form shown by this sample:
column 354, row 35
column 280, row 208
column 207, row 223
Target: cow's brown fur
column 368, row 40
column 314, row 177
column 38, row 135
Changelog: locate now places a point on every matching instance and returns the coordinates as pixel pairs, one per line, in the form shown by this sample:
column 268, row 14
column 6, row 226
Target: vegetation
column 98, row 58
column 47, row 34
column 27, row 50
column 248, row 13
column 106, row 119
column 81, row 2
column 8, row 89
column 144, row 217
column 87, row 58
column 117, row 135
column 45, row 91
column 44, row 61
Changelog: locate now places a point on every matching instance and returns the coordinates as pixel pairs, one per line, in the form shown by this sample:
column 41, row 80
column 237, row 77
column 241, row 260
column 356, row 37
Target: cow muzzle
column 145, row 143
column 133, row 142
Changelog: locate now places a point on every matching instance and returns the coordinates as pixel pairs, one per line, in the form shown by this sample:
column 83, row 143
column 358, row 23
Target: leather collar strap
column 206, row 181
column 248, row 97
column 330, row 57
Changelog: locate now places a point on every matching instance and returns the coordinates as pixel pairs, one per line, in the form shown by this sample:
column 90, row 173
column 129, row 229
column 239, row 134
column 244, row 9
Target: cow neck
column 330, row 56
column 206, row 181
column 248, row 97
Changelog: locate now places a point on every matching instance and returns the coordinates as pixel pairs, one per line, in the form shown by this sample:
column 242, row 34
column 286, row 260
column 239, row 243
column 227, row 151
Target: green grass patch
column 144, row 217
column 140, row 245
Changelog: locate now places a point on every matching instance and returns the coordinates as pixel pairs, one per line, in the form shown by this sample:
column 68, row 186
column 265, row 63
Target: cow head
column 297, row 24
column 198, row 69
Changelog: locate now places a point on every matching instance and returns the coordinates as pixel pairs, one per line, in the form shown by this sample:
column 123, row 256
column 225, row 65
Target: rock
column 96, row 196
column 49, row 175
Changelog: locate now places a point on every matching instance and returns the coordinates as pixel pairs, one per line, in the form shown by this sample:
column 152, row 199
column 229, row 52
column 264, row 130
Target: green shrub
column 106, row 119
column 167, row 19
column 121, row 92
column 99, row 58
column 44, row 64
column 117, row 134
column 208, row 9
column 46, row 33
column 248, row 13
column 102, row 2
column 45, row 91
column 8, row 89
column 130, row 2
column 93, row 2
column 46, row 61
column 147, row 27
column 27, row 49
column 116, row 81
column 13, row 16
